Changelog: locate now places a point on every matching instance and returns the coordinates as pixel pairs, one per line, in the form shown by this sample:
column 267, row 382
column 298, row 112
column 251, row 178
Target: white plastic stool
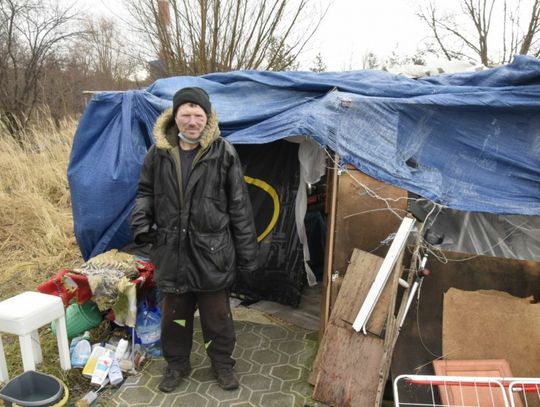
column 22, row 315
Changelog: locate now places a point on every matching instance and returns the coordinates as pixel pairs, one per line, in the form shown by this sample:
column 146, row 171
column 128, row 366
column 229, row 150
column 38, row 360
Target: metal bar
column 492, row 383
column 529, row 383
column 382, row 276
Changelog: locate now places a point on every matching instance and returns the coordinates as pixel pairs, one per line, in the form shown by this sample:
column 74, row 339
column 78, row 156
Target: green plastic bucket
column 80, row 318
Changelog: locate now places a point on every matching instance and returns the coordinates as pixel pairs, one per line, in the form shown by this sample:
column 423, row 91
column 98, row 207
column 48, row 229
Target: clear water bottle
column 148, row 328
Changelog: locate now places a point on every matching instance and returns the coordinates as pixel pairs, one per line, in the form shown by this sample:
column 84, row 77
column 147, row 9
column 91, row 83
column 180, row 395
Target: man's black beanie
column 192, row 95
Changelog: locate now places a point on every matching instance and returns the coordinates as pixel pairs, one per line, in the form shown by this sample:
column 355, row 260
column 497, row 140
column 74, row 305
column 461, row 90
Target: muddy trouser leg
column 177, row 328
column 217, row 327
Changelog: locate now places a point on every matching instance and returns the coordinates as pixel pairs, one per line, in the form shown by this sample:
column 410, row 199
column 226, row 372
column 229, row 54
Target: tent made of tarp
column 468, row 141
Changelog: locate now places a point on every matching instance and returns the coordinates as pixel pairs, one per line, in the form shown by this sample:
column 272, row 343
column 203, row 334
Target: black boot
column 226, row 378
column 172, row 378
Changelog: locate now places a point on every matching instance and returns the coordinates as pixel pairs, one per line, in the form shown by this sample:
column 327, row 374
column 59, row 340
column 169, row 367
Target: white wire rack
column 467, row 391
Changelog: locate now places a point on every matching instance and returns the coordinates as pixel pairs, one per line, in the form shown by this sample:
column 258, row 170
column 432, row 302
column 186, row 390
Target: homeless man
column 193, row 207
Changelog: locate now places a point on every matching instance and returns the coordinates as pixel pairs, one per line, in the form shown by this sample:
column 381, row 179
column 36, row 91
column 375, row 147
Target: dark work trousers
column 216, row 322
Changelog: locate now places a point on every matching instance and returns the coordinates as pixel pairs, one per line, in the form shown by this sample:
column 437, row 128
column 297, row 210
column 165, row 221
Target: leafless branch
column 220, row 35
column 451, row 32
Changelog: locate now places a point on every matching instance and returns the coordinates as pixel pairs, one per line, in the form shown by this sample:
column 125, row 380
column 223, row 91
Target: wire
column 418, row 325
column 430, row 219
column 371, row 192
column 443, row 259
column 371, row 210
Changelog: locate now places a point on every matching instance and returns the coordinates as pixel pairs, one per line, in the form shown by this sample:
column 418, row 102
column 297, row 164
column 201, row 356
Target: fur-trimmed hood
column 166, row 132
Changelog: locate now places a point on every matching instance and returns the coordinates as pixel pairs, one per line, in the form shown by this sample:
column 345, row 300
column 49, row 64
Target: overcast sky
column 353, row 28
column 350, row 29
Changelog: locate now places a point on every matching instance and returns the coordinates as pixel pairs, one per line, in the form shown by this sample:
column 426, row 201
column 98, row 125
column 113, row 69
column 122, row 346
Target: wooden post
column 392, row 323
column 329, row 250
column 391, row 334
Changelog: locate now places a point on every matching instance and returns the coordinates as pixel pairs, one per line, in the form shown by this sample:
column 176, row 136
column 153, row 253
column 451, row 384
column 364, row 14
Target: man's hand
column 147, row 238
column 247, row 278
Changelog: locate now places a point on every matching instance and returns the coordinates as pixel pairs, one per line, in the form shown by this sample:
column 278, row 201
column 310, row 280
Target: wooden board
column 346, row 371
column 361, row 273
column 420, row 340
column 326, row 290
column 349, row 371
column 355, row 220
column 363, row 221
column 355, row 286
column 377, row 322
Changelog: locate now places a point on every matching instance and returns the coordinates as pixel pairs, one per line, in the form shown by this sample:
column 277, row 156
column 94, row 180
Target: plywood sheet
column 363, row 221
column 355, row 286
column 346, row 370
column 356, row 283
column 487, row 324
column 349, row 370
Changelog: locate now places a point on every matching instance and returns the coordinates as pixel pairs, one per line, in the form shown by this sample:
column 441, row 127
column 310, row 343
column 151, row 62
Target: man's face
column 191, row 120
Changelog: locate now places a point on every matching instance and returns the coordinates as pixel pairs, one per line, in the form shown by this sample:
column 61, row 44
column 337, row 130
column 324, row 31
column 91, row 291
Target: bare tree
column 318, row 64
column 370, row 61
column 108, row 55
column 200, row 36
column 64, row 78
column 490, row 31
column 31, row 32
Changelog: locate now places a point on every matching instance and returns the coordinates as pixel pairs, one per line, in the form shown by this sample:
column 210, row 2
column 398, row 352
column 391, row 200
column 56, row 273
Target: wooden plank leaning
column 347, row 364
column 351, row 369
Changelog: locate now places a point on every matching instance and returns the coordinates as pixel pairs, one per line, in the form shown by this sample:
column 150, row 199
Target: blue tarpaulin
column 469, row 141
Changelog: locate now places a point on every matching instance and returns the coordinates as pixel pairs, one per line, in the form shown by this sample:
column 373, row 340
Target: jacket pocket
column 214, row 250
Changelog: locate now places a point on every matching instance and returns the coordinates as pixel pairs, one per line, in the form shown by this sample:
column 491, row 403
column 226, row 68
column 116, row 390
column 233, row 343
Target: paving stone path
column 273, row 363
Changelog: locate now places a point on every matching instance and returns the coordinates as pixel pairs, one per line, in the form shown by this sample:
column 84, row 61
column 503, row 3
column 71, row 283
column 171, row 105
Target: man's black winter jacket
column 205, row 234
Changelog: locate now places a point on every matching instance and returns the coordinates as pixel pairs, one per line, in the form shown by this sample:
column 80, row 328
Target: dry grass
column 36, row 225
column 36, row 228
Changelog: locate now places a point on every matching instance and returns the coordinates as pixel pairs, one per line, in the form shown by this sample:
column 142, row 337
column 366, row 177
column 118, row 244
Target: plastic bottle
column 121, row 349
column 77, row 339
column 148, row 328
column 103, row 366
column 88, row 398
column 115, row 374
column 74, row 342
column 81, row 351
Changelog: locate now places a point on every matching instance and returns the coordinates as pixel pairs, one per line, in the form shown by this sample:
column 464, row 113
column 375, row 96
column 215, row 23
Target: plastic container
column 103, row 366
column 115, row 373
column 125, row 365
column 81, row 351
column 33, row 388
column 80, row 318
column 88, row 399
column 148, row 328
column 121, row 349
column 90, row 366
column 74, row 343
